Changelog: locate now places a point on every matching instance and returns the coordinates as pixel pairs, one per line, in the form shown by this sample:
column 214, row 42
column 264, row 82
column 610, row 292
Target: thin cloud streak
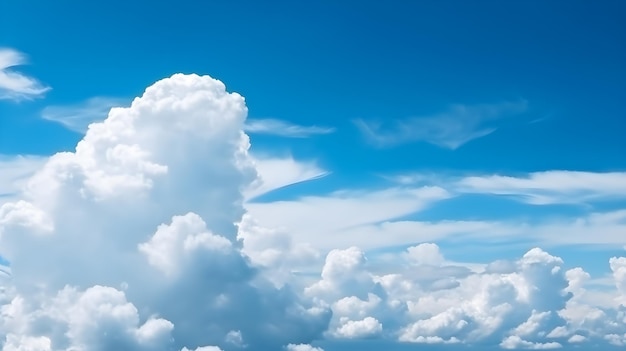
column 283, row 128
column 15, row 170
column 549, row 187
column 78, row 117
column 535, row 188
column 15, row 85
column 275, row 173
column 451, row 129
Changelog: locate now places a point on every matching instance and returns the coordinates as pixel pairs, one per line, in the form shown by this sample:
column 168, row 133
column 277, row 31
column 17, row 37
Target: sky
column 312, row 176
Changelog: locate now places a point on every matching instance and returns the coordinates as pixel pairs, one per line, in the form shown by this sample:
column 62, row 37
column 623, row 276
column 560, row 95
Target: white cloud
column 540, row 188
column 141, row 228
column 302, row 347
column 171, row 244
column 275, row 173
column 450, row 129
column 275, row 251
column 367, row 327
column 515, row 342
column 284, row 128
column 203, row 348
column 14, row 172
column 343, row 215
column 536, row 188
column 78, row 117
column 27, row 343
column 532, row 324
column 15, row 85
column 426, row 253
column 348, row 217
column 618, row 267
column 518, row 309
column 575, row 339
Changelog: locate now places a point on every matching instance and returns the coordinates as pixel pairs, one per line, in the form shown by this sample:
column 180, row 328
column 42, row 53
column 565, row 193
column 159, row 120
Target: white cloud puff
column 367, row 327
column 140, row 250
column 515, row 342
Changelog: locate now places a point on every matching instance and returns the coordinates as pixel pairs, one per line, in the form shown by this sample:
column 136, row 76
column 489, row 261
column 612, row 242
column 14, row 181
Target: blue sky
column 487, row 128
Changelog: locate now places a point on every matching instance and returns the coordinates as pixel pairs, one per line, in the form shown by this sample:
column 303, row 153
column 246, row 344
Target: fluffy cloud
column 135, row 235
column 367, row 327
column 515, row 342
column 13, row 84
column 527, row 305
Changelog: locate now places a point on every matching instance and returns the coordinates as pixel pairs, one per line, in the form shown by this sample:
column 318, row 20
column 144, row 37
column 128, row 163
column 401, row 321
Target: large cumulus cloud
column 129, row 242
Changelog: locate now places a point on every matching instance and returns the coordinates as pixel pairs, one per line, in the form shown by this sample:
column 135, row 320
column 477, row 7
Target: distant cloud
column 450, row 129
column 550, row 187
column 284, row 128
column 78, row 117
column 534, row 188
column 15, row 85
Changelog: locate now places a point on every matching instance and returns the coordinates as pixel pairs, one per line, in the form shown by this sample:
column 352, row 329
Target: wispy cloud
column 78, row 117
column 550, row 187
column 15, row 85
column 275, row 173
column 14, row 171
column 535, row 188
column 284, row 128
column 450, row 129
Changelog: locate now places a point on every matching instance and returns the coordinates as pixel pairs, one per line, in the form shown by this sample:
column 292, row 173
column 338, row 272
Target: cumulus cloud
column 275, row 251
column 450, row 129
column 15, row 85
column 367, row 327
column 284, row 128
column 522, row 306
column 515, row 342
column 78, row 117
column 139, row 222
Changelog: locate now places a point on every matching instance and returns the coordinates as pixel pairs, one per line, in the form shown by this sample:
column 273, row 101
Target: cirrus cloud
column 13, row 84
